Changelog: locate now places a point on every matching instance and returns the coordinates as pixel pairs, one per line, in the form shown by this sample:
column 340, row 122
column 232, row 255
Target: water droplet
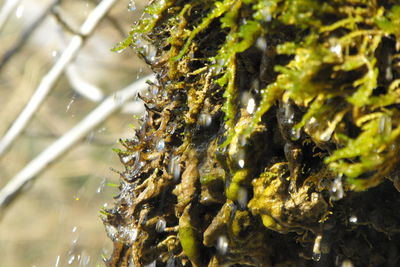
column 160, row 225
column 74, row 229
column 131, row 6
column 132, row 234
column 251, row 106
column 336, row 191
column 385, row 125
column 326, row 135
column 222, row 245
column 101, row 186
column 19, row 11
column 241, row 163
column 288, row 112
column 347, row 263
column 261, row 43
column 160, row 145
column 70, row 103
column 242, row 197
column 90, row 137
column 71, row 259
column 337, row 49
column 57, row 261
column 295, row 134
column 204, row 120
column 119, row 51
column 174, row 167
column 153, row 264
column 85, row 260
column 316, row 256
column 111, row 231
column 171, row 262
column 54, row 53
column 353, row 219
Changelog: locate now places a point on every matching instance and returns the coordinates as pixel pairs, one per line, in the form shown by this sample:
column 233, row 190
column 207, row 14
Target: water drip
column 205, row 120
column 160, row 225
column 222, row 245
column 242, row 197
column 174, row 167
column 336, row 191
column 316, row 256
column 353, row 219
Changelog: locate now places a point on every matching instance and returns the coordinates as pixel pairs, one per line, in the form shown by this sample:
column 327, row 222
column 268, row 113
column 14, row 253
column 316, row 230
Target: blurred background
column 56, row 222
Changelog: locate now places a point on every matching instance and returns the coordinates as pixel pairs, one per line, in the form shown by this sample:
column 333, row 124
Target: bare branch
column 6, row 11
column 82, row 87
column 26, row 34
column 27, row 175
column 53, row 75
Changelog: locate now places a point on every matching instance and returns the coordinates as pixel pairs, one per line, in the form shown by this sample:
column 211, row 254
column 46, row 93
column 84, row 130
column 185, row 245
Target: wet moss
column 271, row 136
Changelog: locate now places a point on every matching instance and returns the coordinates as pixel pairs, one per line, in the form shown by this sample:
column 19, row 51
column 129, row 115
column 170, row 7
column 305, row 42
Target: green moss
column 269, row 110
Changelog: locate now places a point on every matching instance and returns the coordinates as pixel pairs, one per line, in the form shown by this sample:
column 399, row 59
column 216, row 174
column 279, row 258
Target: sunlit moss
column 323, row 79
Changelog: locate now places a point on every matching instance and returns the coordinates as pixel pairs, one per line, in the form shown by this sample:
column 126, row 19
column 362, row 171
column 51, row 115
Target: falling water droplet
column 316, row 256
column 241, row 163
column 336, row 190
column 74, row 229
column 101, row 186
column 385, row 125
column 160, row 225
column 71, row 259
column 70, row 103
column 153, row 264
column 222, row 245
column 241, row 155
column 251, row 106
column 174, row 167
column 57, row 261
column 347, row 263
column 242, row 197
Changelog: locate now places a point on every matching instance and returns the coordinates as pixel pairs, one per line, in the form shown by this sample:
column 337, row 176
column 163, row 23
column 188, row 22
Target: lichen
column 280, row 126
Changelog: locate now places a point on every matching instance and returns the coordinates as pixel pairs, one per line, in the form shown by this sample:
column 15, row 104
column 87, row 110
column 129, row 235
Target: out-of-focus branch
column 82, row 87
column 48, row 81
column 27, row 175
column 8, row 7
column 26, row 35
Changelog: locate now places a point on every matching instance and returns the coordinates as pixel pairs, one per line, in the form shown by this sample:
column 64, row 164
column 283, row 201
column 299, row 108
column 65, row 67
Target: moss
column 280, row 123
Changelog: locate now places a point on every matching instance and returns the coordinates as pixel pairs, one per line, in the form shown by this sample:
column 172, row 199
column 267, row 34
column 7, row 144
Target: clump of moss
column 271, row 136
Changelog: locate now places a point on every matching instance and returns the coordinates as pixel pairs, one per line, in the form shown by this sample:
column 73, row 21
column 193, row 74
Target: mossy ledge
column 271, row 136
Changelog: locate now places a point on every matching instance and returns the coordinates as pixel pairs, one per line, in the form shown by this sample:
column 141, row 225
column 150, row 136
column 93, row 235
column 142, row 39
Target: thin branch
column 28, row 174
column 26, row 35
column 54, row 74
column 82, row 87
column 6, row 11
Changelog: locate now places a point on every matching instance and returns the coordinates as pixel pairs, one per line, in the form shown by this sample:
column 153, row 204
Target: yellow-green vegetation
column 271, row 136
